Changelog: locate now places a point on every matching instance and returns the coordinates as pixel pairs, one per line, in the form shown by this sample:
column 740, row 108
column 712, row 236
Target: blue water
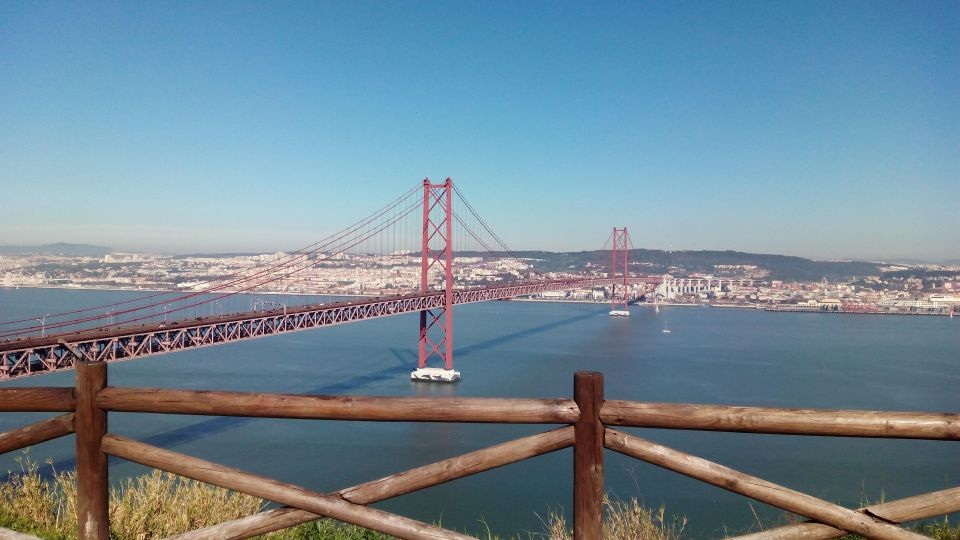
column 525, row 349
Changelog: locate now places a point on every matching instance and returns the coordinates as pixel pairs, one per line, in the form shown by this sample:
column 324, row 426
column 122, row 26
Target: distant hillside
column 917, row 262
column 781, row 267
column 906, row 261
column 60, row 248
column 900, row 279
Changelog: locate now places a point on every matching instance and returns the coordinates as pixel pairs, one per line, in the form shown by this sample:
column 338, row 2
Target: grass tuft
column 624, row 520
column 156, row 505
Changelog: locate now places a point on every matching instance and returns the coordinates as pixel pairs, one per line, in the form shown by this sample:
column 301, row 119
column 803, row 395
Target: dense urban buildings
column 906, row 289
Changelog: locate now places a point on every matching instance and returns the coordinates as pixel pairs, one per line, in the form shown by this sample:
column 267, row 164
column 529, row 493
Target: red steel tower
column 436, row 325
column 618, row 302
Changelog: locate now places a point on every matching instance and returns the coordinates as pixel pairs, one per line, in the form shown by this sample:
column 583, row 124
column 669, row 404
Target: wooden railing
column 587, row 419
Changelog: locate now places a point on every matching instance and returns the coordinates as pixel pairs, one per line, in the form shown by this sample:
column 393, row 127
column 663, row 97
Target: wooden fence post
column 91, row 425
column 588, row 457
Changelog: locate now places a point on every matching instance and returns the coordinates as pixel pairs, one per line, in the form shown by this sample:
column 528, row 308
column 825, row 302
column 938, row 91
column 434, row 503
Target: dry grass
column 49, row 506
column 160, row 504
column 624, row 520
column 156, row 505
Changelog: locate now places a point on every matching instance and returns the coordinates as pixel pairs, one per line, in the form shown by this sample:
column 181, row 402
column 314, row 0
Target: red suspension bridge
column 160, row 322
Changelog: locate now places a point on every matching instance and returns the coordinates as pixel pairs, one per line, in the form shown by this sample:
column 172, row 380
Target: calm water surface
column 526, row 349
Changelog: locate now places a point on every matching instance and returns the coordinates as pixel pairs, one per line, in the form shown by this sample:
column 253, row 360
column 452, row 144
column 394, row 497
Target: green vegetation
column 781, row 267
column 653, row 261
column 159, row 504
column 915, row 278
column 327, row 529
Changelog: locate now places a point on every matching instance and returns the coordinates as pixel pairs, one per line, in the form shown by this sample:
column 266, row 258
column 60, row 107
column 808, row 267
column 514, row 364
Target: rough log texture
column 272, row 490
column 588, row 457
column 250, row 526
column 755, row 488
column 40, row 399
column 838, row 423
column 401, row 409
column 900, row 511
column 39, row 432
column 919, row 506
column 459, row 467
column 395, row 485
column 90, row 423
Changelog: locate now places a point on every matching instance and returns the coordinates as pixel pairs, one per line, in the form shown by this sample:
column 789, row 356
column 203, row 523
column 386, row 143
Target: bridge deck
column 22, row 358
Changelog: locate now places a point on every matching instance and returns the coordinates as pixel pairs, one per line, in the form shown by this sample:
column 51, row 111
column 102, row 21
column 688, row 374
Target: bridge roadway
column 24, row 357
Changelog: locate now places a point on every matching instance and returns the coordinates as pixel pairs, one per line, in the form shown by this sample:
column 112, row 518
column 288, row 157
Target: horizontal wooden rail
column 37, row 399
column 395, row 485
column 46, row 430
column 913, row 508
column 835, row 423
column 586, row 417
column 390, row 409
column 755, row 488
column 272, row 490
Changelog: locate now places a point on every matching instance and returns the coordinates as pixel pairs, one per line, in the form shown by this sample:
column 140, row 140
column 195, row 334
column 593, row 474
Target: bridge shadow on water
column 405, row 358
column 526, row 332
column 219, row 424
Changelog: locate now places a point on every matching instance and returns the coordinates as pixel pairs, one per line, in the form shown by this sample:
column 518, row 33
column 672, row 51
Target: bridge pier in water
column 437, row 224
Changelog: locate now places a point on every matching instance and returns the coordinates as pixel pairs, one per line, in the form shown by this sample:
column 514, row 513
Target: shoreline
column 831, row 312
column 755, row 307
column 759, row 307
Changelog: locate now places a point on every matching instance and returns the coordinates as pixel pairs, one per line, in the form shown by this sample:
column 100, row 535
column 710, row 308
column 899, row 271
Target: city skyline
column 826, row 131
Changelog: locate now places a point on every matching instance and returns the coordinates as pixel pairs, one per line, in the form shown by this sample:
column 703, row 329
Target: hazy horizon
column 267, row 250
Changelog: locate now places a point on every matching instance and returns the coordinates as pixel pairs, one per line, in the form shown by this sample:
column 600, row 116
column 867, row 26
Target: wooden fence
column 586, row 421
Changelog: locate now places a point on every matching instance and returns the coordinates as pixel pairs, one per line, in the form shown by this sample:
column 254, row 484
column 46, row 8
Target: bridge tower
column 618, row 302
column 436, row 324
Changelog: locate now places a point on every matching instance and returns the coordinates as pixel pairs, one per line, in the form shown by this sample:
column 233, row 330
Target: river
column 530, row 349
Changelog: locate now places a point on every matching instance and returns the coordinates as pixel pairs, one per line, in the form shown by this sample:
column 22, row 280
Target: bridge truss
column 84, row 334
column 56, row 353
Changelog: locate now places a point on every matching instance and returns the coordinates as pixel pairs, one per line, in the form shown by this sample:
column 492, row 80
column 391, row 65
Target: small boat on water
column 620, row 313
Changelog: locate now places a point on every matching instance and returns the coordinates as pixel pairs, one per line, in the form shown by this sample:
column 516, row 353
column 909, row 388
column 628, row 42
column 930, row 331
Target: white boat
column 665, row 331
column 620, row 313
column 434, row 374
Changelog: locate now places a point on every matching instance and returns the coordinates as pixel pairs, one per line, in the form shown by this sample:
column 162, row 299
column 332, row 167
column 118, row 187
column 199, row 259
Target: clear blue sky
column 822, row 129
